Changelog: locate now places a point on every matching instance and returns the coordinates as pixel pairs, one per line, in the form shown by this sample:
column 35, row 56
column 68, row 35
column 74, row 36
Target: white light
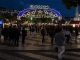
column 78, row 19
column 39, row 6
column 66, row 22
column 31, row 6
column 56, row 21
column 73, row 25
column 52, row 19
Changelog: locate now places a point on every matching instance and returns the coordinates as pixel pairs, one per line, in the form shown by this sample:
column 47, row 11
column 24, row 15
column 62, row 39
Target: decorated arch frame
column 39, row 13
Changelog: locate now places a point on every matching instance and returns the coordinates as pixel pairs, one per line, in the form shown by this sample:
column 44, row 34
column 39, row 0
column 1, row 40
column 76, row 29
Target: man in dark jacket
column 43, row 33
column 5, row 33
column 60, row 38
column 52, row 34
column 17, row 34
column 24, row 34
column 32, row 31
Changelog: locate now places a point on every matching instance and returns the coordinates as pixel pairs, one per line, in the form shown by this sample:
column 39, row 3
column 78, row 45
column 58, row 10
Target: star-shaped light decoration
column 40, row 12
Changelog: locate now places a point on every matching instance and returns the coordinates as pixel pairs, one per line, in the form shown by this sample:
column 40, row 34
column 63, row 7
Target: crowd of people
column 58, row 34
column 12, row 34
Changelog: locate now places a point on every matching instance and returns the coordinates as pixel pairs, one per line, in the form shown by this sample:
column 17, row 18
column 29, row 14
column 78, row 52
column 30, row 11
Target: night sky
column 55, row 4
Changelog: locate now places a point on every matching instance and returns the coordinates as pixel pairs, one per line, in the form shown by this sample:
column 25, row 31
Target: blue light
column 24, row 11
column 1, row 22
column 54, row 11
column 58, row 14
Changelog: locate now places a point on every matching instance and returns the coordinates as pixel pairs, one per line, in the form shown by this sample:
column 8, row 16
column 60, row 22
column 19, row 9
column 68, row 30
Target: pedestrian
column 43, row 33
column 32, row 31
column 5, row 33
column 67, row 35
column 52, row 34
column 76, row 32
column 17, row 35
column 0, row 32
column 60, row 42
column 24, row 34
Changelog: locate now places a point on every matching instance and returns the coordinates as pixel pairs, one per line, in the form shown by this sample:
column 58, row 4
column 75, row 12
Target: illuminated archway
column 29, row 9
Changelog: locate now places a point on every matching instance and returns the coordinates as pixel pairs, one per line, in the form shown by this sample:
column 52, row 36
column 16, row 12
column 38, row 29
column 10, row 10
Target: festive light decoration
column 39, row 12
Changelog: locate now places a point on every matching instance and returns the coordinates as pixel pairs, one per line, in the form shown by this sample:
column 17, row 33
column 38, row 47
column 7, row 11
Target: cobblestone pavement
column 34, row 49
column 37, row 55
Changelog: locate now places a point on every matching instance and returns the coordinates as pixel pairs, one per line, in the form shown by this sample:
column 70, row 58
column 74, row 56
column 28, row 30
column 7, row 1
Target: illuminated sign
column 39, row 6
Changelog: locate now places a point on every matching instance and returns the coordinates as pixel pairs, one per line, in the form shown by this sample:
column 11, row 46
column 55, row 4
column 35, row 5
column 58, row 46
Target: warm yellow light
column 73, row 25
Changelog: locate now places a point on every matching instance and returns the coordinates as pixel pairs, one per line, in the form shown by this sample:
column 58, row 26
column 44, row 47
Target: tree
column 13, row 17
column 46, row 20
column 70, row 3
column 24, row 19
column 1, row 16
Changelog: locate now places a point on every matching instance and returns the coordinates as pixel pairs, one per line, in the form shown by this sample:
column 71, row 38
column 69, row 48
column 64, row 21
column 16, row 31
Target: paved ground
column 36, row 50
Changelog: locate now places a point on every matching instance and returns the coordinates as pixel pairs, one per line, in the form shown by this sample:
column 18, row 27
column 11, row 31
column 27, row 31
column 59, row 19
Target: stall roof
column 74, row 22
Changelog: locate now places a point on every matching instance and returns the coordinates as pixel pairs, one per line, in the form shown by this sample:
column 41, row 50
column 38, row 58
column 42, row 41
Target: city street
column 39, row 29
column 34, row 49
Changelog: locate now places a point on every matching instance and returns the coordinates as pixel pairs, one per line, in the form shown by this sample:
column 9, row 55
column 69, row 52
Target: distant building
column 11, row 11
